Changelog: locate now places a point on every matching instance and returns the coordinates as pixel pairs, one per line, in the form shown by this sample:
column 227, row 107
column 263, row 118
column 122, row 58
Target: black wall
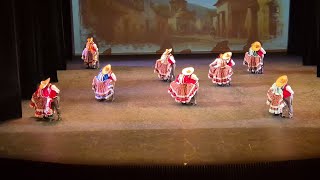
column 10, row 82
column 42, row 45
column 36, row 43
column 304, row 30
column 295, row 37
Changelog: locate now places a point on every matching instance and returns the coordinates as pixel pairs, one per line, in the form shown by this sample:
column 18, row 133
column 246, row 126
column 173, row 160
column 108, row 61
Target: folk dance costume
column 103, row 84
column 287, row 93
column 275, row 97
column 90, row 54
column 165, row 66
column 221, row 69
column 254, row 58
column 45, row 101
column 184, row 89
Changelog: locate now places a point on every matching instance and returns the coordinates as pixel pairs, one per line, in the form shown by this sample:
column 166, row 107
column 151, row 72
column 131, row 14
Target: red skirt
column 254, row 63
column 275, row 102
column 163, row 70
column 183, row 93
column 42, row 108
column 220, row 75
column 91, row 58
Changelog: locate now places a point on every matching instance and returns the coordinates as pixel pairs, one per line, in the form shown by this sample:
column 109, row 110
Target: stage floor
column 144, row 125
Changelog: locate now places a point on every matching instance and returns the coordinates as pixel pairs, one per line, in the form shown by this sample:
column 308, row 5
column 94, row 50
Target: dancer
column 254, row 58
column 45, row 101
column 165, row 66
column 184, row 89
column 103, row 84
column 90, row 54
column 220, row 70
column 287, row 93
column 275, row 97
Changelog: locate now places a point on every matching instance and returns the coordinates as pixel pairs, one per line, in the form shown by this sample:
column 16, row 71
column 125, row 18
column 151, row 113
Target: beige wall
column 224, row 8
column 263, row 19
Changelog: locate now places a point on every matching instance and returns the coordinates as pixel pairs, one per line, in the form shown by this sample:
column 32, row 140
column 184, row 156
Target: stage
column 145, row 126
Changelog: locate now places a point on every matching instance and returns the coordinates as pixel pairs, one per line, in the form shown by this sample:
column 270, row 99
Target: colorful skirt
column 103, row 90
column 183, row 93
column 163, row 70
column 275, row 102
column 42, row 106
column 220, row 76
column 254, row 63
column 90, row 58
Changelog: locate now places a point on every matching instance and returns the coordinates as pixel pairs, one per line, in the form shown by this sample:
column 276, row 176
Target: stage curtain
column 316, row 38
column 9, row 74
column 42, row 41
column 298, row 9
column 36, row 42
column 63, row 31
column 311, row 35
column 304, row 30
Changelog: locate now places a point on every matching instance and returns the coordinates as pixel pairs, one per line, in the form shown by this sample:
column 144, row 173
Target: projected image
column 187, row 26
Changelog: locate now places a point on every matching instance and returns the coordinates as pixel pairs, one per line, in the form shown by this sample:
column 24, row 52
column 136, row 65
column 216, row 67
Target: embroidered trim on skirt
column 42, row 109
column 275, row 102
column 254, row 63
column 103, row 90
column 163, row 70
column 90, row 58
column 183, row 93
column 220, row 75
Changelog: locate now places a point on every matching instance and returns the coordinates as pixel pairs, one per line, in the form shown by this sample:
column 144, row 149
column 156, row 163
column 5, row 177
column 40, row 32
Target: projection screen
column 188, row 26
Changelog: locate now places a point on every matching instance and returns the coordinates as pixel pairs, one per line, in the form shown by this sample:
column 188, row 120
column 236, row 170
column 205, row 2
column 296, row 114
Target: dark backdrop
column 10, row 82
column 304, row 29
column 37, row 41
column 42, row 41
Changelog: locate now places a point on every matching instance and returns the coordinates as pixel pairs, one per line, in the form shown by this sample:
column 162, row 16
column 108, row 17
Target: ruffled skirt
column 275, row 102
column 103, row 90
column 220, row 76
column 183, row 93
column 254, row 63
column 42, row 106
column 163, row 70
column 91, row 59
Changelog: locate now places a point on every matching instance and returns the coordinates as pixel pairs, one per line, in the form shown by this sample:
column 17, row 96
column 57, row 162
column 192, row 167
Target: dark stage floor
column 145, row 126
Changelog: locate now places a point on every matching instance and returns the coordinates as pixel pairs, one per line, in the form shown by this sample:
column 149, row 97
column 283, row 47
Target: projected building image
column 188, row 26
